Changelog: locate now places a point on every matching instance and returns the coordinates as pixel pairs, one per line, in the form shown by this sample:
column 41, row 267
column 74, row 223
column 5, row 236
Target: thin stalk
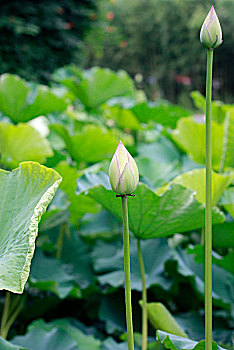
column 5, row 312
column 208, row 223
column 128, row 302
column 144, row 299
column 60, row 241
column 13, row 316
column 10, row 312
column 203, row 235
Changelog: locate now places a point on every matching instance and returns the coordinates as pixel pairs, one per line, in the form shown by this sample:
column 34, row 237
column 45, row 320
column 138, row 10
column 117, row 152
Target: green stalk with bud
column 124, row 178
column 211, row 38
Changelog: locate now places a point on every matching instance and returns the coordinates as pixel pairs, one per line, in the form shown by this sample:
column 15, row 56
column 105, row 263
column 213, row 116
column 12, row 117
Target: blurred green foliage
column 159, row 40
column 75, row 291
column 38, row 36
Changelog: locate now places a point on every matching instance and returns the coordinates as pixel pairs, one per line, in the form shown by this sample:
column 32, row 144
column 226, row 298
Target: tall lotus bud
column 211, row 32
column 123, row 171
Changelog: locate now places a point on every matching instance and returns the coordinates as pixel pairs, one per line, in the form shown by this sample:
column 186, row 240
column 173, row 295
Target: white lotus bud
column 123, row 171
column 211, row 32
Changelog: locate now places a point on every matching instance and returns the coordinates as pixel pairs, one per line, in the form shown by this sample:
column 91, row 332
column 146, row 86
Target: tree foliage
column 38, row 36
column 160, row 40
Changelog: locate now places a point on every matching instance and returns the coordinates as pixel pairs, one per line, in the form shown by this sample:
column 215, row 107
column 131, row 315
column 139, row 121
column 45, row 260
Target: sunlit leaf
column 79, row 205
column 22, row 142
column 98, row 85
column 190, row 136
column 196, row 179
column 92, row 145
column 219, row 110
column 165, row 113
column 228, row 141
column 123, row 118
column 18, row 102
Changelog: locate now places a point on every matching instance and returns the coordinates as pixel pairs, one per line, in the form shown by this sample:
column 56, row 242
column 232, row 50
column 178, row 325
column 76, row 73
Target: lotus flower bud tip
column 123, row 171
column 211, row 32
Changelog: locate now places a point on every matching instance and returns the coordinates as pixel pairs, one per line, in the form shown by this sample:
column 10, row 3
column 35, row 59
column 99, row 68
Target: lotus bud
column 123, row 171
column 211, row 32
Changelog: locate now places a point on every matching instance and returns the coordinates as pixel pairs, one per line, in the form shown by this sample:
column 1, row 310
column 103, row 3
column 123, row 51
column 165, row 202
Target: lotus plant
column 124, row 177
column 211, row 38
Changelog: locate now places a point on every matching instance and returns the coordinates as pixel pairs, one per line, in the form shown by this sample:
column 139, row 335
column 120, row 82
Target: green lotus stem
column 208, row 222
column 60, row 241
column 14, row 316
column 203, row 235
column 5, row 313
column 10, row 313
column 128, row 302
column 144, row 299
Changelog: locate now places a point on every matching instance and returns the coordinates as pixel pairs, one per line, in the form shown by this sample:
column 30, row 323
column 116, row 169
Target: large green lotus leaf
column 222, row 114
column 196, row 181
column 21, row 104
column 157, row 173
column 162, row 151
column 152, row 215
column 162, row 319
column 188, row 164
column 111, row 344
column 165, row 113
column 112, row 312
column 50, row 275
column 98, row 85
column 198, row 100
column 77, row 254
column 190, row 136
column 192, row 322
column 175, row 342
column 58, row 334
column 101, row 225
column 219, row 110
column 6, row 345
column 25, row 194
column 57, row 213
column 108, row 263
column 43, row 102
column 39, row 339
column 228, row 141
column 123, row 118
column 79, row 205
column 92, row 145
column 227, row 200
column 222, row 280
column 223, row 236
column 225, row 262
column 22, row 142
